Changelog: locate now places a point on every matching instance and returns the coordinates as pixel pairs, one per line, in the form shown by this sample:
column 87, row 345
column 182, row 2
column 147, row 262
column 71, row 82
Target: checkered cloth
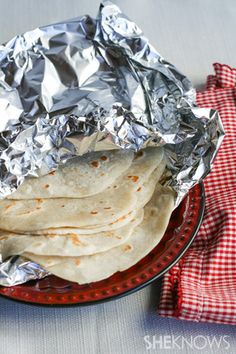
column 202, row 286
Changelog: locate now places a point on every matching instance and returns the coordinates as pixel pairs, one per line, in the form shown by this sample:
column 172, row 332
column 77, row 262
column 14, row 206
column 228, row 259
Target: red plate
column 183, row 226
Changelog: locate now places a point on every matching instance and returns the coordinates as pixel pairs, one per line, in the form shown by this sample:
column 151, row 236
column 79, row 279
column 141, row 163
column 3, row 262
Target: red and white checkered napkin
column 202, row 286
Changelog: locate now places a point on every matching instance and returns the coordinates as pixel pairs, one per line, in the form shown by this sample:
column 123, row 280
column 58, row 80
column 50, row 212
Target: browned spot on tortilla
column 127, row 248
column 102, row 174
column 39, row 200
column 75, row 239
column 52, row 235
column 3, row 238
column 119, row 237
column 52, row 173
column 38, row 208
column 93, row 212
column 104, row 158
column 63, row 206
column 46, row 186
column 133, row 178
column 139, row 189
column 138, row 154
column 114, row 186
column 95, row 163
column 107, row 208
column 9, row 206
column 122, row 218
column 77, row 262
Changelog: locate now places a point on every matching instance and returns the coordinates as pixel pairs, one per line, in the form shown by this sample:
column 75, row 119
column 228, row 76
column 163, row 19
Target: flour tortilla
column 124, row 220
column 80, row 177
column 143, row 196
column 103, row 208
column 145, row 237
column 67, row 245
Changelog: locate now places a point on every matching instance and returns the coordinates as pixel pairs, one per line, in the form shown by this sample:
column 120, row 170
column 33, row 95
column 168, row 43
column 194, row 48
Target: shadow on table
column 155, row 295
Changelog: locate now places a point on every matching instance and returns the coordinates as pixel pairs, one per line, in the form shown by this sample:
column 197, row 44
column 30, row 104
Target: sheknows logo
column 198, row 342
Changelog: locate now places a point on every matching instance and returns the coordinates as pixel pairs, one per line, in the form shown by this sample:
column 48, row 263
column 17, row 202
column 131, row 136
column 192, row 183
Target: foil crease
column 95, row 84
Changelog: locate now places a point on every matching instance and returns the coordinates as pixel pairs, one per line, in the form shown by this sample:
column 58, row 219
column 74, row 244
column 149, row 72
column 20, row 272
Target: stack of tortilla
column 96, row 215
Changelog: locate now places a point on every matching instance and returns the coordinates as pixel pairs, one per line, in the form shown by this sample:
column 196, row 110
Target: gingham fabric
column 202, row 286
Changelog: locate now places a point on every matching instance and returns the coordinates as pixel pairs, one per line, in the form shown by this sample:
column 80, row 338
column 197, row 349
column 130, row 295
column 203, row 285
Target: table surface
column 192, row 35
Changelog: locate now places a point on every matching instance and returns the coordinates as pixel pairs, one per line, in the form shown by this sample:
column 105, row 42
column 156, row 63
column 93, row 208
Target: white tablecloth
column 192, row 34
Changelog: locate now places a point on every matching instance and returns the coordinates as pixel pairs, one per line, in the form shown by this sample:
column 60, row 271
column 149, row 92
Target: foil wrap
column 17, row 270
column 95, row 84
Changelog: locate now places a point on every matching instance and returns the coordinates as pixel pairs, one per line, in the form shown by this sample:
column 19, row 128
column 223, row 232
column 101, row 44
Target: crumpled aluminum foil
column 17, row 270
column 95, row 84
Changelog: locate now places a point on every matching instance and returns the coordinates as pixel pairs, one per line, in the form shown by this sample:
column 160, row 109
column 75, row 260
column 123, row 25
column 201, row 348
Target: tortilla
column 124, row 220
column 143, row 197
column 104, row 208
column 69, row 244
column 80, row 177
column 145, row 237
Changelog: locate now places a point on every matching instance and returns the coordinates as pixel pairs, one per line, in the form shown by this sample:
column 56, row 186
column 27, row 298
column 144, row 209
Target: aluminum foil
column 95, row 84
column 17, row 270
